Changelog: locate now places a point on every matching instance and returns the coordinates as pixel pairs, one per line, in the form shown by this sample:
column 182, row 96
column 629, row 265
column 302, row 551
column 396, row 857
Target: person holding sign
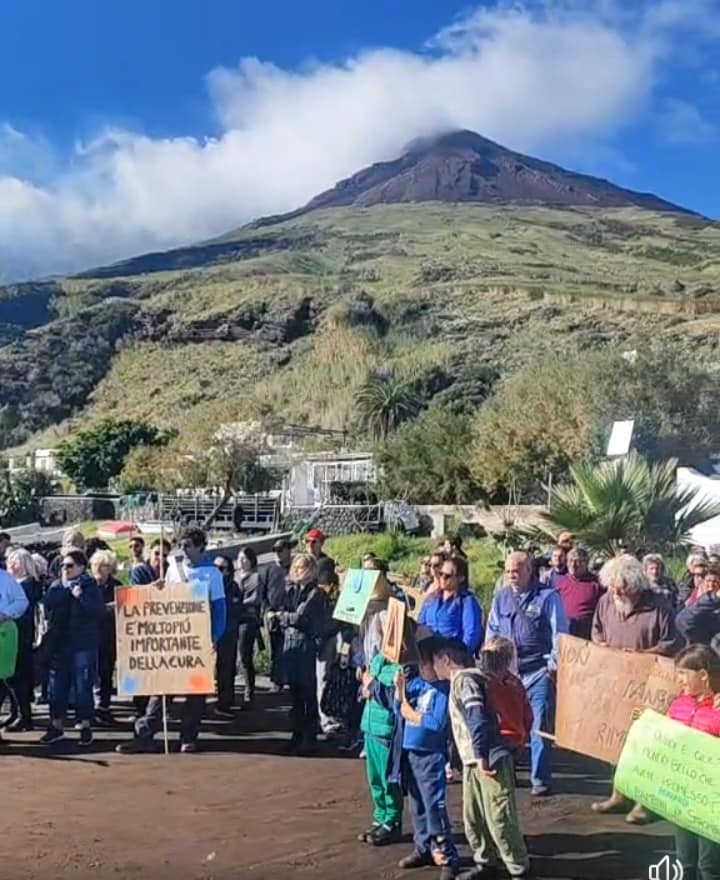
column 631, row 617
column 76, row 611
column 194, row 566
column 422, row 703
column 698, row 669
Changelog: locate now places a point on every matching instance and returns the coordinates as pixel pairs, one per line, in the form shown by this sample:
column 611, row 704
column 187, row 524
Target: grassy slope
column 456, row 285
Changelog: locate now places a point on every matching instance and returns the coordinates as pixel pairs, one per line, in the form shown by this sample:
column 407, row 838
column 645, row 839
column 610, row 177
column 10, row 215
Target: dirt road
column 241, row 809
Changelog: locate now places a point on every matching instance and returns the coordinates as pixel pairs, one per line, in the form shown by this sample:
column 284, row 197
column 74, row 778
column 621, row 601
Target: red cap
column 315, row 535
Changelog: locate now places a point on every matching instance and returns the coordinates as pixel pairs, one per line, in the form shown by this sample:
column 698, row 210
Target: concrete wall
column 493, row 520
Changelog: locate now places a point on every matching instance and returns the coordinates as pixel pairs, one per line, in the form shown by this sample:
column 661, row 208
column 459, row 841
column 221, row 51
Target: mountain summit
column 462, row 166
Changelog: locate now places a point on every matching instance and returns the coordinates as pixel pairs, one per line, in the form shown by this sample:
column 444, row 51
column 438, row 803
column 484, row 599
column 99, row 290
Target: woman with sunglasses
column 75, row 609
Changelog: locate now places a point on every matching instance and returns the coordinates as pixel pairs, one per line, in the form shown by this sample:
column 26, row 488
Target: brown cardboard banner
column 598, row 690
column 164, row 644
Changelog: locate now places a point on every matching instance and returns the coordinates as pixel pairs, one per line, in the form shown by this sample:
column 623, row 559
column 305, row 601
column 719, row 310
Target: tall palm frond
column 626, row 501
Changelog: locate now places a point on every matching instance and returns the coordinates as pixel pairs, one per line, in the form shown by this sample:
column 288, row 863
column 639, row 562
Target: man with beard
column 631, row 617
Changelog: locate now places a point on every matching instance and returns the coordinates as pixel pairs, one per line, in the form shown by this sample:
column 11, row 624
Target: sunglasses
column 447, row 575
column 68, row 565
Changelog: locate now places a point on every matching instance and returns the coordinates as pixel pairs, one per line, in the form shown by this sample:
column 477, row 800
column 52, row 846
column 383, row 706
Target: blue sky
column 131, row 126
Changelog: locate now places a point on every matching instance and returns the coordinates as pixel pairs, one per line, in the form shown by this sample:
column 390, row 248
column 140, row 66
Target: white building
column 708, row 487
column 311, row 475
column 43, row 460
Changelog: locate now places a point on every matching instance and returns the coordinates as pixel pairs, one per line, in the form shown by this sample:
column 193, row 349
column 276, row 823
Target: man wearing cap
column 273, row 586
column 314, row 542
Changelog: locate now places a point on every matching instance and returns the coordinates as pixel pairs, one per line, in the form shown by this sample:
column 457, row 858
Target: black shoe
column 415, row 860
column 367, row 836
column 52, row 735
column 104, row 718
column 222, row 712
column 10, row 720
column 385, row 836
column 86, row 736
column 22, row 725
column 138, row 747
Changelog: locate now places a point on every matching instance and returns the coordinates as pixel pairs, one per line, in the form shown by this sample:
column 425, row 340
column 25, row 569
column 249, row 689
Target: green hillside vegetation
column 292, row 318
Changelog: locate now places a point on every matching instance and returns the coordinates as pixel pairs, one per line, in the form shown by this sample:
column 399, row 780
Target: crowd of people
column 477, row 692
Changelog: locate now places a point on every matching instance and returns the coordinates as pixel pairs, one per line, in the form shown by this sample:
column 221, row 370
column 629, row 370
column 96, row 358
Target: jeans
column 541, row 695
column 246, row 643
column 76, row 671
column 427, row 786
column 326, row 657
column 151, row 722
column 699, row 856
column 225, row 666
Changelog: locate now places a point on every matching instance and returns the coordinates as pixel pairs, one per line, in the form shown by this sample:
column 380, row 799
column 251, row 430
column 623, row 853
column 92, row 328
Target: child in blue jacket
column 421, row 703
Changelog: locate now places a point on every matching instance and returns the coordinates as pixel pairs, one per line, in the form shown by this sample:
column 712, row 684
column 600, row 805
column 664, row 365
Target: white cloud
column 682, row 123
column 536, row 77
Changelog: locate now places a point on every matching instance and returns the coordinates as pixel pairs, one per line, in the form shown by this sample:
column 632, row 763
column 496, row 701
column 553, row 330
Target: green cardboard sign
column 355, row 595
column 674, row 771
column 8, row 648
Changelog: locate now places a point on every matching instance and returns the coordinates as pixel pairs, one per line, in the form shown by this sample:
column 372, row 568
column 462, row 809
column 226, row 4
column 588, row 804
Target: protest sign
column 8, row 648
column 598, row 690
column 415, row 598
column 163, row 640
column 393, row 634
column 674, row 771
column 355, row 595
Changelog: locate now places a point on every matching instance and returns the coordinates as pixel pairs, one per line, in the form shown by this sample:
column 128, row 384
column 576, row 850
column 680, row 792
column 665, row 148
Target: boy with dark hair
column 422, row 703
column 489, row 810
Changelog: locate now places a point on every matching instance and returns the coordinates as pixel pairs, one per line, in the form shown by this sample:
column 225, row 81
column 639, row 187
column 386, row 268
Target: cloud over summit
column 535, row 77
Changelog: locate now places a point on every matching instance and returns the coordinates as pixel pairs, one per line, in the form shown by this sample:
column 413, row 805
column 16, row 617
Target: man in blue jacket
column 700, row 623
column 455, row 613
column 532, row 616
column 196, row 567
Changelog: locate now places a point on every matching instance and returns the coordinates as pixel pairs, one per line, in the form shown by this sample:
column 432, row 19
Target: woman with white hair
column 103, row 565
column 696, row 566
column 21, row 566
column 631, row 617
column 301, row 620
column 654, row 568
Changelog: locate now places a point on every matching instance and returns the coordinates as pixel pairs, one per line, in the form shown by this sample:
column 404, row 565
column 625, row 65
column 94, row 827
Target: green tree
column 539, row 420
column 627, row 501
column 427, row 460
column 383, row 402
column 20, row 496
column 92, row 457
column 234, row 463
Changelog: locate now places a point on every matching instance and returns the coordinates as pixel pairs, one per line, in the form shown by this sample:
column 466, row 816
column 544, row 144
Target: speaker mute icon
column 667, row 869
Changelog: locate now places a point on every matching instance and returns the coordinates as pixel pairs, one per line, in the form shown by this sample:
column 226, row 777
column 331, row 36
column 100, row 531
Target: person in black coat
column 301, row 621
column 75, row 611
column 103, row 565
column 227, row 646
column 21, row 566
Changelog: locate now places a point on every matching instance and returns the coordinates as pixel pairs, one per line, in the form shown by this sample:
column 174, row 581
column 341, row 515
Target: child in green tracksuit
column 378, row 726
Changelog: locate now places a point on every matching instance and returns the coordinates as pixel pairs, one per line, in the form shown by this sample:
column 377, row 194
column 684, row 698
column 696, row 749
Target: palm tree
column 384, row 402
column 628, row 501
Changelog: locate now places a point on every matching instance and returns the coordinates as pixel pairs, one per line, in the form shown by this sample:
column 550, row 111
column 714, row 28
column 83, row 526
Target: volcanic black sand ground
column 242, row 809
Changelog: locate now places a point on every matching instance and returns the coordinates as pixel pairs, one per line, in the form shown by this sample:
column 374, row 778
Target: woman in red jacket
column 698, row 671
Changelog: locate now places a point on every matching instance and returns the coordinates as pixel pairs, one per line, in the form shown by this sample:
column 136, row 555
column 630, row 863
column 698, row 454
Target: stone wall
column 335, row 520
column 59, row 510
